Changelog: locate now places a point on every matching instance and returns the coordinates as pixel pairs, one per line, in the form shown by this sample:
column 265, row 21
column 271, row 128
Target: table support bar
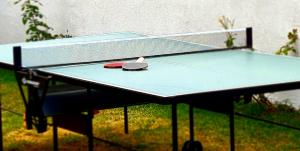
column 174, row 127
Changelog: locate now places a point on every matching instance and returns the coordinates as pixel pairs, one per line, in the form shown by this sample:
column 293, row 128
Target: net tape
column 105, row 50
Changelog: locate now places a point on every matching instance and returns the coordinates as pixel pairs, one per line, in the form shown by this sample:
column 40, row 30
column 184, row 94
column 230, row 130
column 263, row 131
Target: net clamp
column 30, row 82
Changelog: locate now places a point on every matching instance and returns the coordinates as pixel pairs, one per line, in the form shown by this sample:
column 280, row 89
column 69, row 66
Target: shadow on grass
column 150, row 129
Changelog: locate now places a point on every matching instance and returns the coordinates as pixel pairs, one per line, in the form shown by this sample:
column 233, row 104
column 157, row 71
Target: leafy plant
column 32, row 18
column 285, row 106
column 262, row 99
column 227, row 23
column 290, row 46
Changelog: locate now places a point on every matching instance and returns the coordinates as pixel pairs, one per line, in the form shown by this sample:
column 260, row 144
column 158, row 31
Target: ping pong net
column 108, row 50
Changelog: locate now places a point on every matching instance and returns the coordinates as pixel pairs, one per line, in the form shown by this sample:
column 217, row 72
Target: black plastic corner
column 17, row 57
column 249, row 37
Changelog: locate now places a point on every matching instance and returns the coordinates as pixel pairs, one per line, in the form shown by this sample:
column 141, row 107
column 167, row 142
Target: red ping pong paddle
column 130, row 66
column 114, row 65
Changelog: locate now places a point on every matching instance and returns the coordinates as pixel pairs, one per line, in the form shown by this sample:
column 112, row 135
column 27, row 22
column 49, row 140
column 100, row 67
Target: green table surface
column 183, row 74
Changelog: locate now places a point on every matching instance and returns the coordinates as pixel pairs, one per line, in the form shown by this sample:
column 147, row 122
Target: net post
column 249, row 37
column 17, row 57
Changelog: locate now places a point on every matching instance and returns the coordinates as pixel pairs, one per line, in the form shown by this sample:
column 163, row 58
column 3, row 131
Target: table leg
column 55, row 135
column 231, row 122
column 1, row 139
column 174, row 127
column 90, row 134
column 126, row 119
column 191, row 112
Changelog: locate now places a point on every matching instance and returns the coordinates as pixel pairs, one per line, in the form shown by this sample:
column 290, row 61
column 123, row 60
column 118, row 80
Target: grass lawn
column 150, row 127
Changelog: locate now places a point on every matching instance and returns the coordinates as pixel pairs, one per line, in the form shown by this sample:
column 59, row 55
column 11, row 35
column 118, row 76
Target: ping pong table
column 199, row 75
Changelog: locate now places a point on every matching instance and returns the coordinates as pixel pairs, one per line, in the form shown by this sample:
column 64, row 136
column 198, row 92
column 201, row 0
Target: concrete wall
column 271, row 19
